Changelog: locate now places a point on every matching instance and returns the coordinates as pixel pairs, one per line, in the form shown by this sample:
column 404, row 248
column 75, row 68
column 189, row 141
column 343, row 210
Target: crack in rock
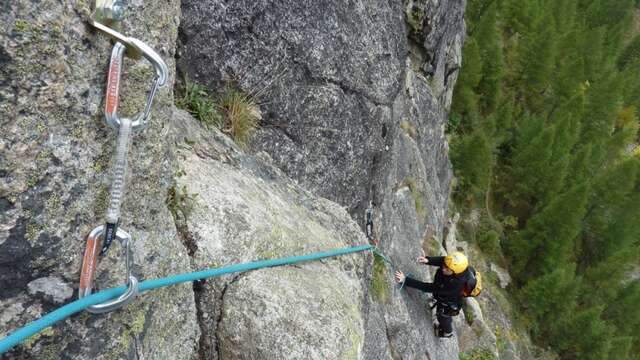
column 219, row 319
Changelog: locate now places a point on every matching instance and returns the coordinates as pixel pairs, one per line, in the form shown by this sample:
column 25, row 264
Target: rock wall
column 55, row 161
column 354, row 98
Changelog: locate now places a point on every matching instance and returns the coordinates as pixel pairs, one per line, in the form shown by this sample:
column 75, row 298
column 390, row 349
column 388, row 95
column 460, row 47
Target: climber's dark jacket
column 447, row 290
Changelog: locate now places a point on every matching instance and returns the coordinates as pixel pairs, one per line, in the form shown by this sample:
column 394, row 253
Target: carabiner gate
column 113, row 83
column 90, row 263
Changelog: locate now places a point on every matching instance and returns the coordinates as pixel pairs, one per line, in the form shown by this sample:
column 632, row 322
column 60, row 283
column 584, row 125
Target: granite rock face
column 327, row 74
column 354, row 99
column 239, row 208
column 55, row 166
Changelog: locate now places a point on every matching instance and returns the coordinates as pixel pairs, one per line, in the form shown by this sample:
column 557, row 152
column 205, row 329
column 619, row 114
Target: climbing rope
column 101, row 237
column 91, row 300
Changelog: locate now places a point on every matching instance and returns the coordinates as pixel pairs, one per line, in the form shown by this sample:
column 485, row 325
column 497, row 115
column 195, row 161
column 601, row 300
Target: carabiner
column 113, row 83
column 90, row 263
column 368, row 215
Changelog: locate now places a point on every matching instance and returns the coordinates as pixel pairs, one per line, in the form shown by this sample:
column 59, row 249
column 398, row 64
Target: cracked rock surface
column 354, row 98
column 329, row 70
column 246, row 209
column 55, row 165
column 350, row 115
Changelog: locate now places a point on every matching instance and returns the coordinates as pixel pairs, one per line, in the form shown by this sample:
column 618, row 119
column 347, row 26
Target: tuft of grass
column 409, row 129
column 233, row 112
column 241, row 115
column 197, row 101
column 379, row 280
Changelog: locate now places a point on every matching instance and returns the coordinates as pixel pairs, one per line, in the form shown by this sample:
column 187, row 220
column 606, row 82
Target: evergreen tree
column 630, row 54
column 584, row 335
column 537, row 59
column 624, row 313
column 549, row 298
column 531, row 164
column 602, row 106
column 625, row 134
column 465, row 100
column 604, row 280
column 621, row 348
column 580, row 168
column 488, row 37
column 472, row 154
column 518, row 15
column 549, row 87
column 549, row 236
column 607, row 208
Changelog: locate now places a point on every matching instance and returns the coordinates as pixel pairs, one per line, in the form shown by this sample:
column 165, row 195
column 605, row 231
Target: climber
column 447, row 288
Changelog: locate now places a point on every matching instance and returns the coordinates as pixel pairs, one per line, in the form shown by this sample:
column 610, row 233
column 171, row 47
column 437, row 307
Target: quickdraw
column 368, row 228
column 368, row 216
column 100, row 238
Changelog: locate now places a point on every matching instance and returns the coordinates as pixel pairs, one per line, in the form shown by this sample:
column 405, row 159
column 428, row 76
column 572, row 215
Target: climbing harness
column 100, row 238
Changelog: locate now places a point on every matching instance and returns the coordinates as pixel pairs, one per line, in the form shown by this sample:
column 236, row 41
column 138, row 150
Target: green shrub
column 489, row 243
column 197, row 102
column 478, row 354
column 379, row 280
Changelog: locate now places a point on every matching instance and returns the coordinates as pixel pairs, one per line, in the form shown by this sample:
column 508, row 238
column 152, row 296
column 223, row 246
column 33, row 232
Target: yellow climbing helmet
column 457, row 262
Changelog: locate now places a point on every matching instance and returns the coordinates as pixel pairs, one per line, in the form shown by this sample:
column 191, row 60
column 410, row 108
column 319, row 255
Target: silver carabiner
column 113, row 83
column 90, row 263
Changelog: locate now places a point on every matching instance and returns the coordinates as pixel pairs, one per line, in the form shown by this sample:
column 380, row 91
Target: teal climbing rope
column 64, row 312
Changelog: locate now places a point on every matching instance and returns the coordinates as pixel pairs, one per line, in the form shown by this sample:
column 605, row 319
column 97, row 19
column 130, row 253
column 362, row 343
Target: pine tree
column 488, row 37
column 518, row 15
column 537, row 59
column 630, row 54
column 580, row 168
column 530, row 165
column 625, row 134
column 584, row 336
column 607, row 208
column 621, row 348
column 602, row 106
column 465, row 100
column 549, row 236
column 549, row 297
column 624, row 313
column 604, row 280
column 472, row 154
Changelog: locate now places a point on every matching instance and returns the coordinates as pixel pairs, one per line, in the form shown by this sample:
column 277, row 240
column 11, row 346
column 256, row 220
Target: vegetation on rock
column 233, row 112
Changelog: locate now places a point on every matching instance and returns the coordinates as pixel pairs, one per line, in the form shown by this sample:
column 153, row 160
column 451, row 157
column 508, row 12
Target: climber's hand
column 422, row 259
column 400, row 276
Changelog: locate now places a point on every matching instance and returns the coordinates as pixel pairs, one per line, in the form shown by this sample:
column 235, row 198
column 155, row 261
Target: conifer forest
column 544, row 143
